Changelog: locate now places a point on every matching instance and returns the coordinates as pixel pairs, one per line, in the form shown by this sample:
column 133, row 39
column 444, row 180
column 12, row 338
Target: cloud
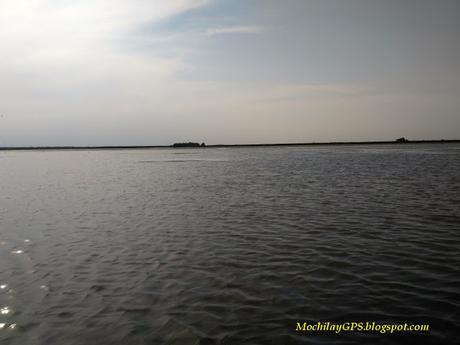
column 50, row 47
column 48, row 32
column 248, row 29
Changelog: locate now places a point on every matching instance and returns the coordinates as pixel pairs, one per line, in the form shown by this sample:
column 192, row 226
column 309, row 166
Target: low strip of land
column 142, row 147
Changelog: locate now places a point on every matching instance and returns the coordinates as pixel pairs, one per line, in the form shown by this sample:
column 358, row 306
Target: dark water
column 229, row 246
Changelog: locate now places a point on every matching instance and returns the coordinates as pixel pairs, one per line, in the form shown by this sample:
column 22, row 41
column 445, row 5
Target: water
column 229, row 246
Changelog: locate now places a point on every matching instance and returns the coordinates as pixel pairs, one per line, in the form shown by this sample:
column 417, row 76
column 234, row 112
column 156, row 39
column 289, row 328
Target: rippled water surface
column 229, row 246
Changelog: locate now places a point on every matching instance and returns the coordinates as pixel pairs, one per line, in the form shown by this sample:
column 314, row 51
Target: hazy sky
column 108, row 72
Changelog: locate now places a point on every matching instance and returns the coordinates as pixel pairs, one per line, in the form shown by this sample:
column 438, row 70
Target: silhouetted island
column 402, row 140
column 189, row 144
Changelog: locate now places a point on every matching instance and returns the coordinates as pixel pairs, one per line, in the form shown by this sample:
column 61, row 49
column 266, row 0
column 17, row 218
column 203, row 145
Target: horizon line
column 330, row 143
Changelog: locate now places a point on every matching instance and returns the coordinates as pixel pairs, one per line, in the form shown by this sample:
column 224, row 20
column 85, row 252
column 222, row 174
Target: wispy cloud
column 46, row 31
column 244, row 29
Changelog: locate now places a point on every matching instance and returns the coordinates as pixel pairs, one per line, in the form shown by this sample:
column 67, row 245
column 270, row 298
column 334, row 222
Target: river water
column 229, row 245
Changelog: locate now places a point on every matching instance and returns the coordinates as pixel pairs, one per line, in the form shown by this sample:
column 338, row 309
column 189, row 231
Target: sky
column 155, row 72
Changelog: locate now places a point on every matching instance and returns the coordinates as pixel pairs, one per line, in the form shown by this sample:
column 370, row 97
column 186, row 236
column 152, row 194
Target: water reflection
column 7, row 326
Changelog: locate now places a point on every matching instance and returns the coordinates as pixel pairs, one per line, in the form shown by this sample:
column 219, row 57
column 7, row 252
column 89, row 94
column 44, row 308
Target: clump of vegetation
column 189, row 144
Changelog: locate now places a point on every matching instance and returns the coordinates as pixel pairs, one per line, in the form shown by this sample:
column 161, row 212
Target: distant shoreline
column 141, row 147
